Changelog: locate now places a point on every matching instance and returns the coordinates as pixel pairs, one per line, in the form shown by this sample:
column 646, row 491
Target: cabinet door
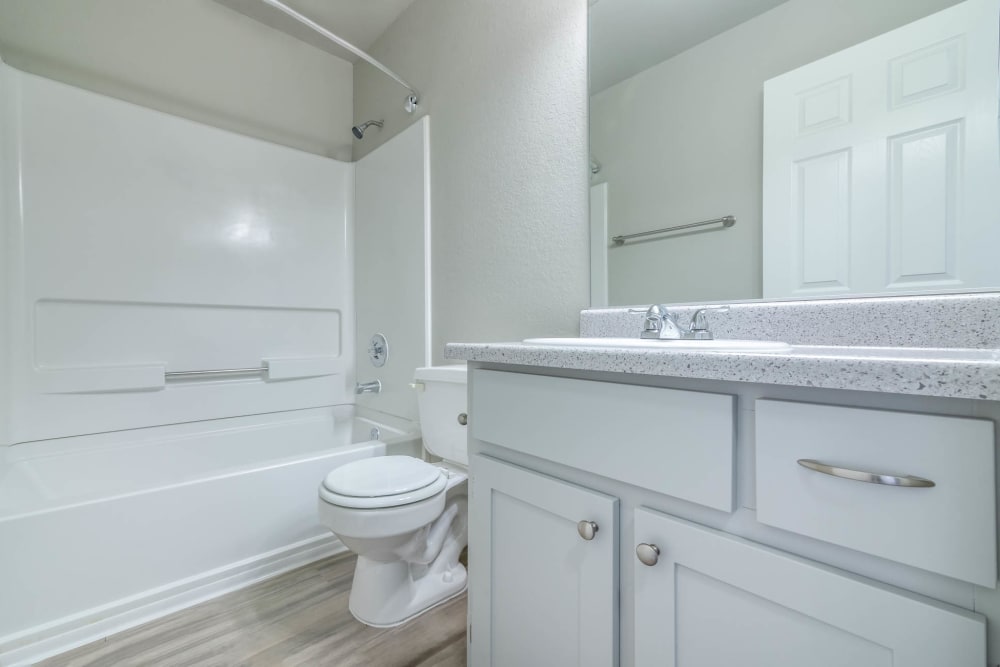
column 713, row 599
column 539, row 592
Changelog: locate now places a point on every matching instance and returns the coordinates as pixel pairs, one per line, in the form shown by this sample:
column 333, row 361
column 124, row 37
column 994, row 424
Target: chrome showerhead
column 359, row 130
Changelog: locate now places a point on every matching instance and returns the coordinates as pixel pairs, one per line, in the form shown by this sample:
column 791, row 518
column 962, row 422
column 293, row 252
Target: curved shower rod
column 411, row 101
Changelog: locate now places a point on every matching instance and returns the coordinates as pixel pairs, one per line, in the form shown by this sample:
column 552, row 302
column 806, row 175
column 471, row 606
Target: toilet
column 405, row 518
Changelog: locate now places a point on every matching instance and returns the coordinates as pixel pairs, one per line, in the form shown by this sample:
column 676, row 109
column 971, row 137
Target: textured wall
column 682, row 141
column 506, row 86
column 191, row 58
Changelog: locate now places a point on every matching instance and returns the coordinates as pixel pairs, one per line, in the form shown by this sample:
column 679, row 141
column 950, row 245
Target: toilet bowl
column 405, row 518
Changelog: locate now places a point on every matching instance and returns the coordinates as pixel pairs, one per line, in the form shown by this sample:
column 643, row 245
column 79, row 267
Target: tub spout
column 373, row 387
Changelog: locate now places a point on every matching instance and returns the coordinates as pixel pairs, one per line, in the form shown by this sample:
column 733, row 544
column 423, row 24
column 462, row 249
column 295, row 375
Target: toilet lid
column 385, row 502
column 382, row 476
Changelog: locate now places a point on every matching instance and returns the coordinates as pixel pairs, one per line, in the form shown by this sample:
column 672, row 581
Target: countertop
column 945, row 372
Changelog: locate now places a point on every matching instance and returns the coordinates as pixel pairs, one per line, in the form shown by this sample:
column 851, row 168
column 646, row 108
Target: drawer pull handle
column 863, row 476
column 587, row 529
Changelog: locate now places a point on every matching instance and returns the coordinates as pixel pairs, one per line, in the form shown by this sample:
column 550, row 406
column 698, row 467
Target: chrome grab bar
column 726, row 220
column 220, row 371
column 863, row 476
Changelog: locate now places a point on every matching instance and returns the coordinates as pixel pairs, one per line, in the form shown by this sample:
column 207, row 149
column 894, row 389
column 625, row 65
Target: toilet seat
column 384, row 481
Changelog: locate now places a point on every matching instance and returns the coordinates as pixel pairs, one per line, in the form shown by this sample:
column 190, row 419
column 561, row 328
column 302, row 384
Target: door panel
column 540, row 594
column 713, row 599
column 880, row 162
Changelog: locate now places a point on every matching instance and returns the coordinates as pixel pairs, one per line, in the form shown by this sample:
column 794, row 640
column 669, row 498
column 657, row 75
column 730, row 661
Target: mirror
column 855, row 148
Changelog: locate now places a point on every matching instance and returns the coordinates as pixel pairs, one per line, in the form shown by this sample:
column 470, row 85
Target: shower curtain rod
column 414, row 97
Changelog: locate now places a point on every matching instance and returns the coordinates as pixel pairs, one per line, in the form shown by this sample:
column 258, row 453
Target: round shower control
column 378, row 350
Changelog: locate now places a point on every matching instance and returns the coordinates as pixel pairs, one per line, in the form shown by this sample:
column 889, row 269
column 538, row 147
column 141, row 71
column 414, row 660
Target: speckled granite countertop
column 945, row 372
column 931, row 345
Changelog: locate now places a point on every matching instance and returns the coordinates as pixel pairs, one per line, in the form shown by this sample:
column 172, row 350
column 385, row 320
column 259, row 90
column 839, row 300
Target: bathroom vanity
column 643, row 506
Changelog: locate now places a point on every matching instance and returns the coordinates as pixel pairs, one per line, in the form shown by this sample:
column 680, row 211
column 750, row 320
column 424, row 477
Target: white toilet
column 406, row 518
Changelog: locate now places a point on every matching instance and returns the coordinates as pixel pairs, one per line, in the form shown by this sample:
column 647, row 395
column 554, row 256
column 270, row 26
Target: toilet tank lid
column 454, row 373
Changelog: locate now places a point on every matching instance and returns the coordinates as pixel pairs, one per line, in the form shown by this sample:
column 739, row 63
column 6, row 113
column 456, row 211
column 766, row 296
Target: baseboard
column 67, row 633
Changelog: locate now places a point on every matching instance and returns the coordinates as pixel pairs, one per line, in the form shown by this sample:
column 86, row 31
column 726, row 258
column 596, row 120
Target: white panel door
column 881, row 165
column 540, row 594
column 712, row 600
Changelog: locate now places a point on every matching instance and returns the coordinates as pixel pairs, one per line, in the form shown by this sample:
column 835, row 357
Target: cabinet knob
column 648, row 554
column 463, row 418
column 587, row 529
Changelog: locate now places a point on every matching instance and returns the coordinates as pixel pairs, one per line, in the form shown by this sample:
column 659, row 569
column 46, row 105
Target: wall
column 192, row 58
column 392, row 209
column 682, row 142
column 506, row 85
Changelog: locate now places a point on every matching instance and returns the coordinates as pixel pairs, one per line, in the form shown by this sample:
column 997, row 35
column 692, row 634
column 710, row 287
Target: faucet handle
column 698, row 328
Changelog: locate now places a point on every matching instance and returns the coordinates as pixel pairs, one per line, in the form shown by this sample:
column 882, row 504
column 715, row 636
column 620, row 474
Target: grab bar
column 220, row 371
column 726, row 220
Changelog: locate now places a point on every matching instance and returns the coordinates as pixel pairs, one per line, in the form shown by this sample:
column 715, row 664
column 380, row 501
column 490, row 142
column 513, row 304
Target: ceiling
column 629, row 36
column 360, row 22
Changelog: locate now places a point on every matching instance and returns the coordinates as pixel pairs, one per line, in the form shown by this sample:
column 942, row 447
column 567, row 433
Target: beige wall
column 191, row 58
column 505, row 85
column 682, row 142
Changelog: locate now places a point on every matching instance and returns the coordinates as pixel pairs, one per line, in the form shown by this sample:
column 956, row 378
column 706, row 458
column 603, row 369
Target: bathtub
column 100, row 533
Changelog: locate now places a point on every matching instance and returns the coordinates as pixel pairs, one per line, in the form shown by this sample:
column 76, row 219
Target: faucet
column 661, row 324
column 373, row 387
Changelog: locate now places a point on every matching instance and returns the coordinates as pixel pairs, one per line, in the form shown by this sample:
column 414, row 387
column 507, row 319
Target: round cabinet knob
column 648, row 554
column 463, row 418
column 587, row 529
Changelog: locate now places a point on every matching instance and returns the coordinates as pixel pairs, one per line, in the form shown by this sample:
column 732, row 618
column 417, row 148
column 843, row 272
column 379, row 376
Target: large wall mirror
column 832, row 148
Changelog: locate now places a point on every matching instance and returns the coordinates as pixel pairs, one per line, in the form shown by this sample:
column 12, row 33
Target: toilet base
column 402, row 611
column 384, row 594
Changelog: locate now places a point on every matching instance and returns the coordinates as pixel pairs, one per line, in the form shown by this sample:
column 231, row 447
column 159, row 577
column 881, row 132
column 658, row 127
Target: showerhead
column 359, row 130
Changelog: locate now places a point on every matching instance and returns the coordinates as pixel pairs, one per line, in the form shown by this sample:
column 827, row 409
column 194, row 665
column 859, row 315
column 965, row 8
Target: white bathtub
column 99, row 533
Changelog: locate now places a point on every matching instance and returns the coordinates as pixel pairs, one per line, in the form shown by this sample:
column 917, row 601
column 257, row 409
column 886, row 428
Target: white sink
column 679, row 345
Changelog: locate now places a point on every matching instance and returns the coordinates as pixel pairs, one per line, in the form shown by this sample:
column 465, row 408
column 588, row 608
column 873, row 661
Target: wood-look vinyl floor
column 298, row 618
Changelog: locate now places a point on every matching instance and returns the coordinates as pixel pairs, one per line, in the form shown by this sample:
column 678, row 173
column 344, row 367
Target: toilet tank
column 441, row 400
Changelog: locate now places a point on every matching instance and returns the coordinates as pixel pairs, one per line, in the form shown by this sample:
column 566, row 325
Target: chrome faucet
column 661, row 324
column 373, row 387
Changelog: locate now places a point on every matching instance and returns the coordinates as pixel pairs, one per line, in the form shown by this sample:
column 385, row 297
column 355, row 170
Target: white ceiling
column 360, row 22
column 628, row 36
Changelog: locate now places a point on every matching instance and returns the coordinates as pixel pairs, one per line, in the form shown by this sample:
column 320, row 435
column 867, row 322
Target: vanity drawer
column 679, row 443
column 949, row 528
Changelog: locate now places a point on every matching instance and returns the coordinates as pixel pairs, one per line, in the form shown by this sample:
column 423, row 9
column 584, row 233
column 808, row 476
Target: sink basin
column 679, row 345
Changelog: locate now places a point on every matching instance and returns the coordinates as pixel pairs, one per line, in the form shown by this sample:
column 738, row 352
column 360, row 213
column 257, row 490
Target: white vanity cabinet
column 549, row 577
column 713, row 599
column 678, row 569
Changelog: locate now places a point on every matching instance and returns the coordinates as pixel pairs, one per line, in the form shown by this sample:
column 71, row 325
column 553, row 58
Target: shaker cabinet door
column 711, row 599
column 544, row 575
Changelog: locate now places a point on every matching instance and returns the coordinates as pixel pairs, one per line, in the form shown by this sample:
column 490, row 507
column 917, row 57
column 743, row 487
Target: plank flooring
column 297, row 619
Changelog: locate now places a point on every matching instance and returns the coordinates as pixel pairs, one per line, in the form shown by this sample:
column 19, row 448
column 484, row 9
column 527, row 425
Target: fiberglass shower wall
column 392, row 260
column 138, row 244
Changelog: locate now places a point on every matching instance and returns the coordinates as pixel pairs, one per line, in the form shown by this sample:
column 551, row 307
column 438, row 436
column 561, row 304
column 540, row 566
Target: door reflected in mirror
column 855, row 144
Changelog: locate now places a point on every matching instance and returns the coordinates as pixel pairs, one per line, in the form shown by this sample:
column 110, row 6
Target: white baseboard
column 38, row 643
